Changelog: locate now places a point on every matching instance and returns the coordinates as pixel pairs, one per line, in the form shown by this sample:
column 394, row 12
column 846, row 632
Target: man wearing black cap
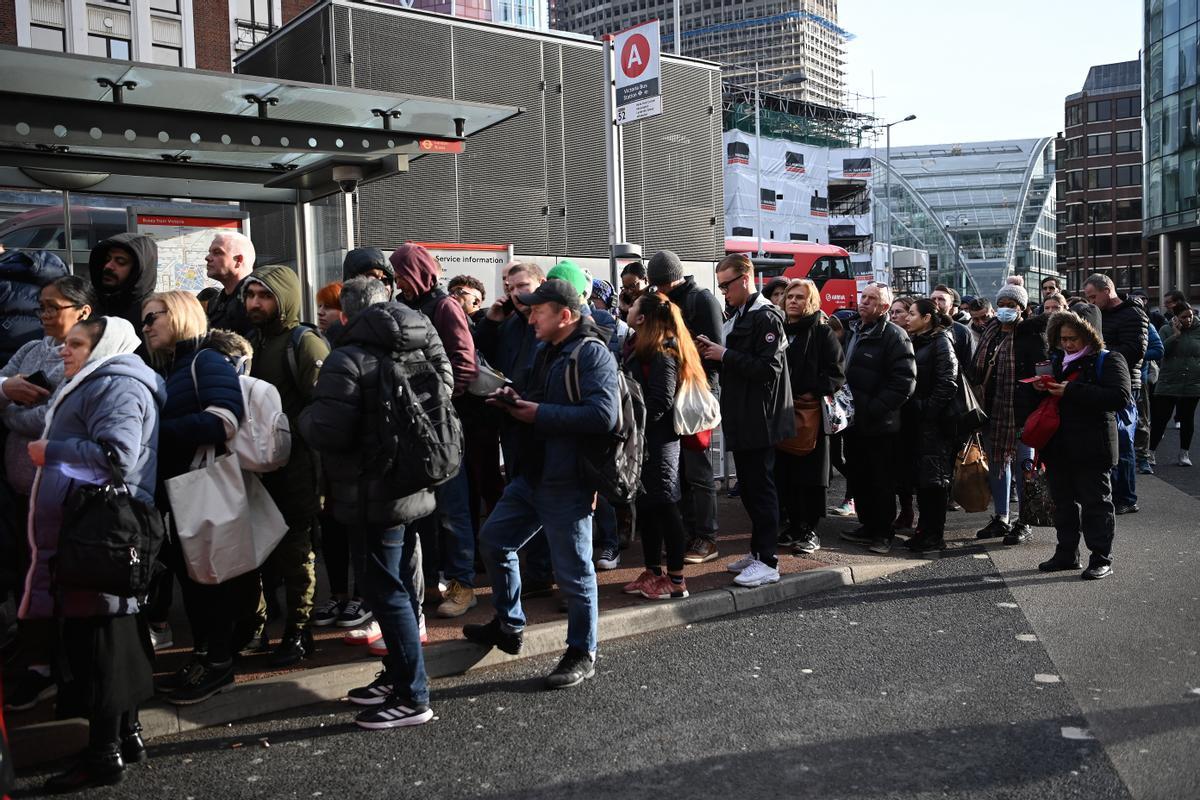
column 547, row 490
column 702, row 315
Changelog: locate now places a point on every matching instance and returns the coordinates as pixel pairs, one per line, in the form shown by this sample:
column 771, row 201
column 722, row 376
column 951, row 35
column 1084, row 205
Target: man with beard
column 124, row 270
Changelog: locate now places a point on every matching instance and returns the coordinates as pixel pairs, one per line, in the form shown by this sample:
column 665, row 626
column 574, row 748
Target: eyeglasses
column 723, row 286
column 50, row 311
column 459, row 291
column 150, row 317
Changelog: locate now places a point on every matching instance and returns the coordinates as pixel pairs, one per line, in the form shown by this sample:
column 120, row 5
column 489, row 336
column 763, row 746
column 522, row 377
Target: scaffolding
column 797, row 121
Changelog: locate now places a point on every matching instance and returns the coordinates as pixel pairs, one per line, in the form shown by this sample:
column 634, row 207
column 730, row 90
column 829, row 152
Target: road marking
column 1007, row 605
column 1026, row 637
column 1042, row 677
column 1079, row 734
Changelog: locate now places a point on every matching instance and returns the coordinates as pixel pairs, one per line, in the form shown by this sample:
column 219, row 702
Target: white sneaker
column 757, row 574
column 161, row 637
column 1152, row 460
column 1185, row 458
column 365, row 634
column 737, row 566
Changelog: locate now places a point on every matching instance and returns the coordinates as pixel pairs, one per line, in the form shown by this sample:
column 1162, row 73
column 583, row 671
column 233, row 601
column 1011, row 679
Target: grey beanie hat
column 1013, row 292
column 664, row 267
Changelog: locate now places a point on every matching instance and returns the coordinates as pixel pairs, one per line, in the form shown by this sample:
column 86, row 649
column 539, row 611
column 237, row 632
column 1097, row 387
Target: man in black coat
column 881, row 372
column 342, row 423
column 946, row 300
column 702, row 315
column 1125, row 331
column 229, row 261
column 756, row 408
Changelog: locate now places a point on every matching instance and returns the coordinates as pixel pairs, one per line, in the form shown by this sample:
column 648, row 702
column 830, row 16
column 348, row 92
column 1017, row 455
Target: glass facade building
column 983, row 210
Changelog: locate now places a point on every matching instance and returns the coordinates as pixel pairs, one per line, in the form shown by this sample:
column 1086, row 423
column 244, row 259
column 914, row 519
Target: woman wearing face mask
column 928, row 440
column 109, row 396
column 1010, row 348
column 816, row 369
column 1093, row 385
column 23, row 406
column 1178, row 388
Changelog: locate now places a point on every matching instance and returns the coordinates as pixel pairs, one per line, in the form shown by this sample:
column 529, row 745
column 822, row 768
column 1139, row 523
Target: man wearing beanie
column 573, row 274
column 1125, row 327
column 702, row 315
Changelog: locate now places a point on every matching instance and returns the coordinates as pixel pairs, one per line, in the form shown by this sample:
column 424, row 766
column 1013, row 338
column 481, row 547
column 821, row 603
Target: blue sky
column 973, row 70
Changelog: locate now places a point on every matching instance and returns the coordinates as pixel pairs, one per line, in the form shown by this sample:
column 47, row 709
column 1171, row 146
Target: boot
column 133, row 749
column 97, row 767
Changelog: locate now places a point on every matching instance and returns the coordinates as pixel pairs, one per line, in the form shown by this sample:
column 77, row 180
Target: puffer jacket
column 125, row 300
column 1125, row 332
column 756, row 392
column 294, row 485
column 22, row 276
column 1180, row 372
column 660, row 471
column 928, row 438
column 1087, row 431
column 25, row 423
column 342, row 421
column 117, row 401
column 882, row 374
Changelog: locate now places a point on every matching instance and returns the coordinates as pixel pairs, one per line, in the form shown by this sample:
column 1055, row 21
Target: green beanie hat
column 570, row 272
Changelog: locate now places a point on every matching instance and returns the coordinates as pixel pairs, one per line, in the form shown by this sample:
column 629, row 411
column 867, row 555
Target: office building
column 1099, row 182
column 533, row 14
column 786, row 39
column 1171, row 114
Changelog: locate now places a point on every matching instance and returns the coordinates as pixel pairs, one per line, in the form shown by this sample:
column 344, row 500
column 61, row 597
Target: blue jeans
column 605, row 522
column 1124, row 474
column 1000, row 476
column 457, row 534
column 397, row 606
column 565, row 516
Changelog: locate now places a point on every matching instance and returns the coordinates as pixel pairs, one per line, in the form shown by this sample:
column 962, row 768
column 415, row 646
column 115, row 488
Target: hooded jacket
column 416, row 266
column 293, row 486
column 342, row 421
column 126, row 300
column 756, row 393
column 1180, row 374
column 116, row 400
column 22, row 276
column 361, row 259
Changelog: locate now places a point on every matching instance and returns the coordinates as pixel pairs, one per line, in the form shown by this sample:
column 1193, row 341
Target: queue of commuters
column 432, row 430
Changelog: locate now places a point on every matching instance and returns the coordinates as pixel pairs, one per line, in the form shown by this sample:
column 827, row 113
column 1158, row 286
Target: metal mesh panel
column 419, row 205
column 273, row 231
column 303, row 55
column 502, row 179
column 583, row 132
column 556, row 195
column 402, row 54
column 342, row 66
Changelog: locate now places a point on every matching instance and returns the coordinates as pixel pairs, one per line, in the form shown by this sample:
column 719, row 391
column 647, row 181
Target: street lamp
column 887, row 179
column 962, row 221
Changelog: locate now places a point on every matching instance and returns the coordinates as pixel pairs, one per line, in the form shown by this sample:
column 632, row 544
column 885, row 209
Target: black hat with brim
column 555, row 290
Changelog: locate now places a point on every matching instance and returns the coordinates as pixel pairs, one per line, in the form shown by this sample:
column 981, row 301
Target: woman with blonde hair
column 816, row 369
column 664, row 361
column 203, row 409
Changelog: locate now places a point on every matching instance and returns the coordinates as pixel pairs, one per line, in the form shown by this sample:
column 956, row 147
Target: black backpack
column 108, row 541
column 420, row 436
column 612, row 463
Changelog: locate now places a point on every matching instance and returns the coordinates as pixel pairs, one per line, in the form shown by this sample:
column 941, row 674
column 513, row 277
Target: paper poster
column 183, row 242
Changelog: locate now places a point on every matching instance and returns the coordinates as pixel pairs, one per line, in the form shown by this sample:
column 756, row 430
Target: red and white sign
column 639, row 73
column 440, row 145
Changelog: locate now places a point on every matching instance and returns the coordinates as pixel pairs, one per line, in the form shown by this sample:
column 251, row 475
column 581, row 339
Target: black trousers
column 1184, row 408
column 756, row 486
column 1082, row 505
column 931, row 503
column 871, row 461
column 661, row 524
column 699, row 502
column 804, row 503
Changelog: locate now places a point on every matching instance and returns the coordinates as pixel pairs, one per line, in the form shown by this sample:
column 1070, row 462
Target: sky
column 975, row 71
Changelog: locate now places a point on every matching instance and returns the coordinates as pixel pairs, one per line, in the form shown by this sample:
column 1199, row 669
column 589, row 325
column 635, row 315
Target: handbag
column 1042, row 423
column 1037, row 505
column 837, row 411
column 226, row 521
column 695, row 409
column 808, row 427
column 108, row 541
column 972, row 489
column 967, row 416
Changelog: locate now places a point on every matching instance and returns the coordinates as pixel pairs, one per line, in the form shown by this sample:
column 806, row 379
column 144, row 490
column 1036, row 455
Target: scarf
column 1078, row 354
column 1002, row 365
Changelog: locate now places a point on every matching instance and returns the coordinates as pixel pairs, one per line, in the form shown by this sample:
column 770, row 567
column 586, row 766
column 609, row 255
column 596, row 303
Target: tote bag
column 971, row 488
column 808, row 427
column 696, row 409
column 226, row 522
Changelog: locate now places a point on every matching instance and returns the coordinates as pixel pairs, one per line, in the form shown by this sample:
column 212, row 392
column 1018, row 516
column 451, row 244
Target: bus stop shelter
column 143, row 131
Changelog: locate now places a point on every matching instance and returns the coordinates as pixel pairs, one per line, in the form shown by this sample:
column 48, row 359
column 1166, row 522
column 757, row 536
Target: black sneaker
column 1058, row 564
column 882, row 546
column 576, row 666
column 374, row 693
column 354, row 613
column 30, row 689
column 182, row 676
column 326, row 613
column 491, row 634
column 1018, row 533
column 808, row 543
column 857, row 536
column 927, row 544
column 993, row 530
column 103, row 767
column 203, row 684
column 788, row 537
column 394, row 713
column 1129, row 509
column 296, row 646
column 1096, row 570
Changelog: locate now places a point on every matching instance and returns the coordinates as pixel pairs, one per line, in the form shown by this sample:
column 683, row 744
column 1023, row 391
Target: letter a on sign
column 638, row 73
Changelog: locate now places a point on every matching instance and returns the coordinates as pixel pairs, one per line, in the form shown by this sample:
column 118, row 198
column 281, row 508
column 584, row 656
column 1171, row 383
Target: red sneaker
column 635, row 586
column 658, row 588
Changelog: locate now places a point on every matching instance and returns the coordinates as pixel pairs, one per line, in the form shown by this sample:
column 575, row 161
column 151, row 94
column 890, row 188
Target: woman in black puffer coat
column 664, row 361
column 926, row 431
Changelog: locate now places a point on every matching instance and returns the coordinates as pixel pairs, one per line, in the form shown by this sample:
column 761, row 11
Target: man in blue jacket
column 547, row 489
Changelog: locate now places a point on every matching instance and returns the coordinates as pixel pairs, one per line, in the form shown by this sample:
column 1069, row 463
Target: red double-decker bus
column 824, row 264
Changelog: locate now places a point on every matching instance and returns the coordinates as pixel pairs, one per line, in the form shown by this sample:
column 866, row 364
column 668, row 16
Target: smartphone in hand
column 39, row 380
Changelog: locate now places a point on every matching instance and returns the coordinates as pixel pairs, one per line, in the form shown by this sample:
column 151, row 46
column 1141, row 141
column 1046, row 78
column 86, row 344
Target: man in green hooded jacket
column 290, row 362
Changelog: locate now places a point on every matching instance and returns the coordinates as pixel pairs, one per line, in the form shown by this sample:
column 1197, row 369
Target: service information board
column 183, row 242
column 482, row 261
column 639, row 73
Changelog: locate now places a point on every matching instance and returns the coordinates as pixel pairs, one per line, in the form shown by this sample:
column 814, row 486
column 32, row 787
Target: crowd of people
column 539, row 379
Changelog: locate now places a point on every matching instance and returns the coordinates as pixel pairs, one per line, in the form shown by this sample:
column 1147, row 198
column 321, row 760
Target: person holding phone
column 27, row 382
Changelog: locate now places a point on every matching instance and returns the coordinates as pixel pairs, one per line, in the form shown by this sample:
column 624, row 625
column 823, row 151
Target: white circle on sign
column 635, row 56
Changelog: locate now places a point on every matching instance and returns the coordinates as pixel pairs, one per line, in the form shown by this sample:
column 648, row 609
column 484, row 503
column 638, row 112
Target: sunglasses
column 151, row 316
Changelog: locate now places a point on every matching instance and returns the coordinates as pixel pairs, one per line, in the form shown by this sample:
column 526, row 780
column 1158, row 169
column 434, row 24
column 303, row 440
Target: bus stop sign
column 639, row 93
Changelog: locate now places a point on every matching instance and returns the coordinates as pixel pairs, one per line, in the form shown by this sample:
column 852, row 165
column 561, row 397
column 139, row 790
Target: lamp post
column 951, row 222
column 795, row 77
column 887, row 179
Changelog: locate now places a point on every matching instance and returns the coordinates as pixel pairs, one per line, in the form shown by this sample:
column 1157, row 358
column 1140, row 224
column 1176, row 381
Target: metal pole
column 66, row 198
column 757, row 164
column 615, row 161
column 678, row 40
column 887, row 190
column 348, row 207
